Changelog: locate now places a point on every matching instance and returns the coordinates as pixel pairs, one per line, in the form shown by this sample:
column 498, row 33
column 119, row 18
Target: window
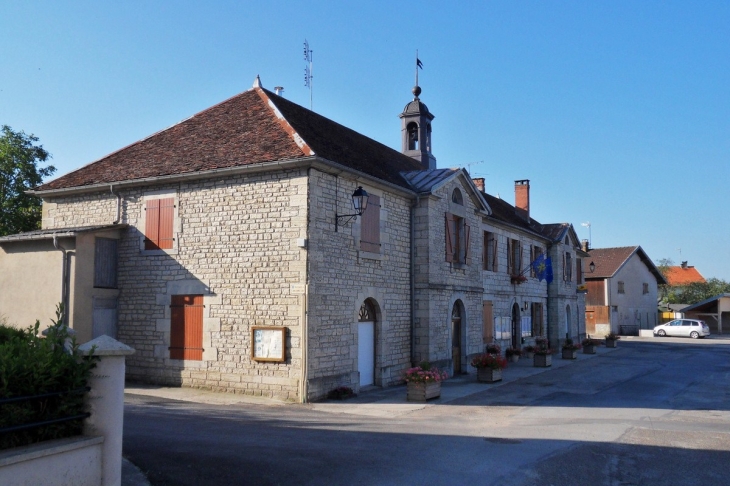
column 646, row 288
column 621, row 288
column 105, row 263
column 457, row 198
column 535, row 252
column 412, row 136
column 568, row 267
column 490, row 251
column 186, row 327
column 536, row 314
column 514, row 257
column 579, row 271
column 159, row 223
column 370, row 226
column 457, row 239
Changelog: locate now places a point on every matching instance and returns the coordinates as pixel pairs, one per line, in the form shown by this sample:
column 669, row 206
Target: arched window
column 367, row 312
column 412, row 136
column 428, row 137
column 456, row 197
column 366, row 353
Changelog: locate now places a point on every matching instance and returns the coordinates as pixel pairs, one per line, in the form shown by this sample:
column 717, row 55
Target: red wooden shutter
column 152, row 224
column 519, row 259
column 450, row 234
column 510, row 262
column 494, row 253
column 167, row 215
column 578, row 271
column 487, row 322
column 370, row 226
column 186, row 327
column 467, row 232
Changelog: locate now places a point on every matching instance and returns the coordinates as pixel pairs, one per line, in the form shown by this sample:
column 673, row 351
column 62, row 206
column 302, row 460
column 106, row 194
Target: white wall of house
column 633, row 307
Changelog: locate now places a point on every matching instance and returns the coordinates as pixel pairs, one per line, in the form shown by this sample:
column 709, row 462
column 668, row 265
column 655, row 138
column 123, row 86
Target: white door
column 366, row 352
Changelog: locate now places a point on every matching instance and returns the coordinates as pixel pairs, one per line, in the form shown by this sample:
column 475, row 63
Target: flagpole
column 416, row 67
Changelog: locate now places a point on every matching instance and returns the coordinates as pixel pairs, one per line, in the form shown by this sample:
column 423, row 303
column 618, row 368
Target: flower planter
column 528, row 354
column 420, row 392
column 570, row 353
column 542, row 360
column 488, row 375
column 589, row 350
column 610, row 343
column 514, row 358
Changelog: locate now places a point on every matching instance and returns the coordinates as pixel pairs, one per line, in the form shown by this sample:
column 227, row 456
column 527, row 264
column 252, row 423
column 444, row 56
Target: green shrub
column 31, row 364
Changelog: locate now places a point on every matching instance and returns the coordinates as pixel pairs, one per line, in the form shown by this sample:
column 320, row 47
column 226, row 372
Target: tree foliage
column 696, row 291
column 20, row 170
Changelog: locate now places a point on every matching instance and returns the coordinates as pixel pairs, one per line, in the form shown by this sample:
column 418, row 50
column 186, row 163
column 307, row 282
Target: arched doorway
column 567, row 321
column 457, row 322
column 366, row 343
column 516, row 328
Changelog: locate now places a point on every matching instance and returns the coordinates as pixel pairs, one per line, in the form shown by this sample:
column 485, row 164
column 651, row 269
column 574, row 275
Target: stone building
column 227, row 250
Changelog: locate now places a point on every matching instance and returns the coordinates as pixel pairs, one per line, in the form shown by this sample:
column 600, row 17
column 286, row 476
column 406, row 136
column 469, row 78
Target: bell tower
column 416, row 130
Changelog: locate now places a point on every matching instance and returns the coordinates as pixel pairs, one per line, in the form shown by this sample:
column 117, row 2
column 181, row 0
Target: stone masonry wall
column 342, row 277
column 237, row 245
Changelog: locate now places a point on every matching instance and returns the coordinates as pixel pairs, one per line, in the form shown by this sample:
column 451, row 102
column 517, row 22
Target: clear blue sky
column 618, row 111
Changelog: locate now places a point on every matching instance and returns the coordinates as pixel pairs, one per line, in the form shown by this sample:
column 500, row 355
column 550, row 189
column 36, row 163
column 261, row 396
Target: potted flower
column 424, row 382
column 543, row 357
column 493, row 348
column 589, row 345
column 513, row 354
column 517, row 279
column 611, row 339
column 528, row 351
column 570, row 349
column 489, row 367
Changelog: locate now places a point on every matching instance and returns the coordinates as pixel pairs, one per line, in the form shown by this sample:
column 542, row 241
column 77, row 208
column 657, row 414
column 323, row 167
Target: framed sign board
column 268, row 343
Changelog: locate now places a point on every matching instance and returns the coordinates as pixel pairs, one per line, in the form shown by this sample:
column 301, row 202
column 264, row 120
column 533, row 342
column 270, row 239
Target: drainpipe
column 64, row 279
column 305, row 307
column 413, row 278
column 119, row 204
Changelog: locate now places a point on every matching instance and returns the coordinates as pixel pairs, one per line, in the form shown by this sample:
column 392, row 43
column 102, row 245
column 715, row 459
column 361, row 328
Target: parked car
column 683, row 328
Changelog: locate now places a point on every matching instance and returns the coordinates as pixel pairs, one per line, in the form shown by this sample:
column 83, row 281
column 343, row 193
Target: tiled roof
column 609, row 260
column 243, row 130
column 505, row 212
column 681, row 276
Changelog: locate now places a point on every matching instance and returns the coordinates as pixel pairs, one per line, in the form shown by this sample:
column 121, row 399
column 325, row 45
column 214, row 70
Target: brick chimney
column 522, row 199
column 479, row 182
column 684, row 265
column 584, row 246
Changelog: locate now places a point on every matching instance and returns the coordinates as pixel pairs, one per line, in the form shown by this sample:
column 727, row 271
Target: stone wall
column 342, row 277
column 236, row 243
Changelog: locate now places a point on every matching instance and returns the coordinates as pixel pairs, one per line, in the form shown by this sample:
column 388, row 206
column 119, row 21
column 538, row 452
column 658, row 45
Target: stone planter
column 514, row 358
column 589, row 349
column 420, row 392
column 542, row 360
column 488, row 375
column 528, row 354
column 611, row 343
column 570, row 353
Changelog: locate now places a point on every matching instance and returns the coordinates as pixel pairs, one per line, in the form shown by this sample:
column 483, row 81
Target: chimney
column 279, row 90
column 479, row 182
column 584, row 245
column 684, row 264
column 522, row 199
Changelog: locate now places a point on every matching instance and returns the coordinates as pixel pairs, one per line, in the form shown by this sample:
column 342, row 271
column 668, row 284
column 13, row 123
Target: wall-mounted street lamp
column 592, row 267
column 359, row 203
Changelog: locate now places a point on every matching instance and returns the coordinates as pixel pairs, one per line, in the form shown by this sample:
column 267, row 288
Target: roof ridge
column 298, row 139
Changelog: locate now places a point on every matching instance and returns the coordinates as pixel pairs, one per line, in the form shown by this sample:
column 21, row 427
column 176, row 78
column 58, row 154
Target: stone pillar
column 106, row 403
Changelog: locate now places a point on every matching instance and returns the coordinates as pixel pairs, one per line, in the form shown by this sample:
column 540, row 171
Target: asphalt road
column 653, row 412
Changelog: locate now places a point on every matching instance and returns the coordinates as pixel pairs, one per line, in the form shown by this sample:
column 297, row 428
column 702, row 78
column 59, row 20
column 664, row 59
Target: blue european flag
column 543, row 268
column 548, row 270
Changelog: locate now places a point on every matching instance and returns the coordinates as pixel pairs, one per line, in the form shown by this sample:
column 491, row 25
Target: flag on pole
column 419, row 63
column 543, row 268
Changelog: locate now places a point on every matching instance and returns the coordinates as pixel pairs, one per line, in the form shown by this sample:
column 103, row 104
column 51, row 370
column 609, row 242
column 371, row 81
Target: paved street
column 653, row 411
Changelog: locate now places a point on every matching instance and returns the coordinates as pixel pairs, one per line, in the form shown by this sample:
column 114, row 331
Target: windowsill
column 369, row 255
column 171, row 251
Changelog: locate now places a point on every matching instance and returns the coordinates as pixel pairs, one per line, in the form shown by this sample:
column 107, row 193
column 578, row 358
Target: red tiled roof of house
column 243, row 130
column 683, row 275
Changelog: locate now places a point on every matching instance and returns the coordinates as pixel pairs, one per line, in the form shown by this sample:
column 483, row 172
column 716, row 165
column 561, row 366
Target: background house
column 715, row 311
column 622, row 291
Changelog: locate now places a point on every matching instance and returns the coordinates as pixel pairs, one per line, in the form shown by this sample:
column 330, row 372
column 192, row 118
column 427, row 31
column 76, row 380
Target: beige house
column 240, row 262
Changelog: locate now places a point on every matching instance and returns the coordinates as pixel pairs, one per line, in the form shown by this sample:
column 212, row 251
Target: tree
column 20, row 170
column 697, row 291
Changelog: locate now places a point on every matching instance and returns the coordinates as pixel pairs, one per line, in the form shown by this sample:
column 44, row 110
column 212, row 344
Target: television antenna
column 308, row 70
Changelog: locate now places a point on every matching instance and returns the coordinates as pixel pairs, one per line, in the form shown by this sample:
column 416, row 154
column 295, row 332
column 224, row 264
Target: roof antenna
column 308, row 70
